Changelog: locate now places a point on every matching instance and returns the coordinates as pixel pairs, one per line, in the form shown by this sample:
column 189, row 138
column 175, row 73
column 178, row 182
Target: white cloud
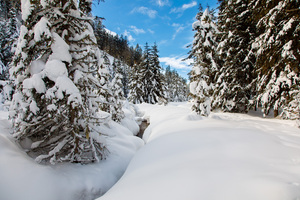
column 176, row 62
column 150, row 31
column 129, row 36
column 145, row 11
column 137, row 30
column 179, row 28
column 162, row 42
column 184, row 7
column 175, row 25
column 162, row 3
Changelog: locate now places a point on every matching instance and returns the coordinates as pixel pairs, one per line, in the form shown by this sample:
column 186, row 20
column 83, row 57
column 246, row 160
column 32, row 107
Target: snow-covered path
column 226, row 156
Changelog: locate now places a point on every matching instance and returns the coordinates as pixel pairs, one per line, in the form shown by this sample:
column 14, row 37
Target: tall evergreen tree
column 117, row 92
column 56, row 68
column 176, row 88
column 155, row 89
column 233, row 89
column 146, row 84
column 278, row 56
column 205, row 62
column 136, row 86
column 9, row 31
column 146, row 74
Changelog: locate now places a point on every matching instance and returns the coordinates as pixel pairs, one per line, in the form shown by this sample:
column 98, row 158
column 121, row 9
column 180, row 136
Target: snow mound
column 229, row 157
column 24, row 179
column 192, row 117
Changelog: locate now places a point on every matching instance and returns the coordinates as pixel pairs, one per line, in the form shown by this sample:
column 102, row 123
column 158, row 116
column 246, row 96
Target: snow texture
column 23, row 179
column 226, row 156
column 42, row 28
column 26, row 7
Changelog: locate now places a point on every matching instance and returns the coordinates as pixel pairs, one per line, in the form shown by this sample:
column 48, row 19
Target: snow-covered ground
column 21, row 178
column 225, row 156
column 186, row 157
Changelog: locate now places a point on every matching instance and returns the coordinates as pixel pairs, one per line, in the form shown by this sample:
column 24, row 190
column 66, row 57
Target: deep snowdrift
column 226, row 156
column 21, row 178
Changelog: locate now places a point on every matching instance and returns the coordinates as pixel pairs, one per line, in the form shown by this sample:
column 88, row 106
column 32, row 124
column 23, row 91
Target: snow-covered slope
column 226, row 156
column 23, row 179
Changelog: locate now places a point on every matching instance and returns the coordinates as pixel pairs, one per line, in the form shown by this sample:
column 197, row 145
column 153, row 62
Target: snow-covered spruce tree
column 125, row 71
column 233, row 88
column 116, row 111
column 56, row 72
column 180, row 88
column 146, row 74
column 205, row 65
column 140, row 81
column 278, row 56
column 104, row 92
column 154, row 83
column 9, row 31
column 168, row 84
column 110, row 92
column 136, row 85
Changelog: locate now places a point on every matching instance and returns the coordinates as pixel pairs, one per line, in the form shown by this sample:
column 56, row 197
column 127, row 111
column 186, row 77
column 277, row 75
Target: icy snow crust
column 223, row 157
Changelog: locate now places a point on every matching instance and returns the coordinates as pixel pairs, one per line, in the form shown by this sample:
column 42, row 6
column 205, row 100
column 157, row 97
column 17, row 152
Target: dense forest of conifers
column 247, row 58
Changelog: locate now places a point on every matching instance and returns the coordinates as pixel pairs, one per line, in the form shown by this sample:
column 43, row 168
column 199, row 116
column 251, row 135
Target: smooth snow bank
column 226, row 156
column 23, row 179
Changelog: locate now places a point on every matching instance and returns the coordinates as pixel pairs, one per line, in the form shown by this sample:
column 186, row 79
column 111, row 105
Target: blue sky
column 166, row 22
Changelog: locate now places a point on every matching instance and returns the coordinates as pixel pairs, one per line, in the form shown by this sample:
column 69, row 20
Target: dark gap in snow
column 144, row 124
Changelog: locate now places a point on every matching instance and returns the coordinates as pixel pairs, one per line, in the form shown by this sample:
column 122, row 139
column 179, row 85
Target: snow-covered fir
column 278, row 57
column 176, row 87
column 147, row 83
column 233, row 89
column 205, row 62
column 255, row 64
column 58, row 71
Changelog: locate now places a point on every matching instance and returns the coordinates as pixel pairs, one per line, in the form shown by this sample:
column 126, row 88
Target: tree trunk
column 275, row 113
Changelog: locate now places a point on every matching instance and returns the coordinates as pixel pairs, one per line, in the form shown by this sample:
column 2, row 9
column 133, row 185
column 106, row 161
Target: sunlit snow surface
column 223, row 157
column 21, row 178
column 187, row 157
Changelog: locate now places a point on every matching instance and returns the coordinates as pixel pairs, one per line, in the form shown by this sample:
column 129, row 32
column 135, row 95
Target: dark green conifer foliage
column 117, row 91
column 233, row 89
column 9, row 25
column 156, row 83
column 176, row 88
column 278, row 56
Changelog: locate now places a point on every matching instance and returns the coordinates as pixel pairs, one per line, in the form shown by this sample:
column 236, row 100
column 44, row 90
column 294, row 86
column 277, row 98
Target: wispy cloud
column 137, row 30
column 176, row 62
column 150, row 31
column 129, row 36
column 162, row 3
column 162, row 42
column 179, row 28
column 184, row 7
column 145, row 11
